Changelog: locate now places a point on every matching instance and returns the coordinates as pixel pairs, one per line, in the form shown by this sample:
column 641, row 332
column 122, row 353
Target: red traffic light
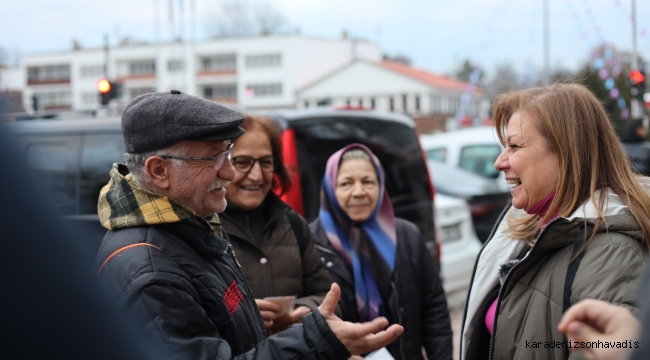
column 636, row 76
column 104, row 86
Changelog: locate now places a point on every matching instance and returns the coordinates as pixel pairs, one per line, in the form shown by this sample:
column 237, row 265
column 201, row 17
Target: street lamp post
column 547, row 70
column 635, row 106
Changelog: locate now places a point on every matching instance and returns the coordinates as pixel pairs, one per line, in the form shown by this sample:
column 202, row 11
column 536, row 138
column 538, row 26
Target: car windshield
column 397, row 148
column 438, row 154
column 480, row 159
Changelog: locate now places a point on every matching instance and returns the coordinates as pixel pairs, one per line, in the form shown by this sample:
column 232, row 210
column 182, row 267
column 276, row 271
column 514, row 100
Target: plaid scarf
column 367, row 248
column 122, row 204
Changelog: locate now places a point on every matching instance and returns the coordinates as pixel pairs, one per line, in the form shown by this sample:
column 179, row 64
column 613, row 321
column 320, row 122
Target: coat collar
column 274, row 209
column 123, row 204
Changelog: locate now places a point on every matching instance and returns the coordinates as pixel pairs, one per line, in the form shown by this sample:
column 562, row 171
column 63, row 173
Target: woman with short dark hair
column 271, row 241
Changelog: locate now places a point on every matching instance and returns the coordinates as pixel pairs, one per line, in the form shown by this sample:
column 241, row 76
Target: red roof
column 429, row 78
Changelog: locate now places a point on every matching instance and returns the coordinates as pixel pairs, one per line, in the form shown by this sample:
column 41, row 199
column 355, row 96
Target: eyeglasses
column 245, row 163
column 219, row 159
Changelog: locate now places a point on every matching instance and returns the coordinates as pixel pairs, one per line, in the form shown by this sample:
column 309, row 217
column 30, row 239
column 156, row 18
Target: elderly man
column 167, row 258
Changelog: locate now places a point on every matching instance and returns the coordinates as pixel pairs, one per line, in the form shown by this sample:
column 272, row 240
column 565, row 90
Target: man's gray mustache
column 218, row 183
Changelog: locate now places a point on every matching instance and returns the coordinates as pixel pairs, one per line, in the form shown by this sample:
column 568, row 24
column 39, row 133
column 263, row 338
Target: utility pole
column 634, row 102
column 106, row 56
column 547, row 70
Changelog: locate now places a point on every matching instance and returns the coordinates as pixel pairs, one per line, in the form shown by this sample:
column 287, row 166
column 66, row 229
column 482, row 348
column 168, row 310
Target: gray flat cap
column 155, row 121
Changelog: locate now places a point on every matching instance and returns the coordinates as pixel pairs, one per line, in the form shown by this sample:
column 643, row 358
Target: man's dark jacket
column 417, row 300
column 186, row 285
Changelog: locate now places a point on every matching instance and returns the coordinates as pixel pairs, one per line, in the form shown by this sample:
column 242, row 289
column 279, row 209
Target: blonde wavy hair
column 578, row 130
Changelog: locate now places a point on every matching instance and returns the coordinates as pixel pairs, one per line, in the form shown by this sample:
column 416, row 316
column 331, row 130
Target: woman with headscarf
column 381, row 262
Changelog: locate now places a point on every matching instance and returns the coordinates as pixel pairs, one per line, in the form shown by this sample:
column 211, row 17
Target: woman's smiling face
column 249, row 189
column 527, row 162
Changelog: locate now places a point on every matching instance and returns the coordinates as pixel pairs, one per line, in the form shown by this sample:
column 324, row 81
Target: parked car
column 459, row 246
column 72, row 160
column 464, row 167
column 474, row 149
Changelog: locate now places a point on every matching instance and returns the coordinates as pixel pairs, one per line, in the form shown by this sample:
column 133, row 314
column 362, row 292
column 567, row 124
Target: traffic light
column 108, row 90
column 637, row 84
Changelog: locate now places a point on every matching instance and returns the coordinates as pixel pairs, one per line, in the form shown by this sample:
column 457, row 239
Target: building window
column 260, row 90
column 175, row 65
column 436, row 105
column 219, row 63
column 391, row 104
column 455, row 104
column 404, row 103
column 135, row 92
column 372, row 103
column 91, row 71
column 220, row 92
column 50, row 73
column 417, row 103
column 90, row 98
column 51, row 100
column 266, row 60
column 347, row 102
column 360, row 102
column 324, row 102
column 147, row 67
column 306, row 104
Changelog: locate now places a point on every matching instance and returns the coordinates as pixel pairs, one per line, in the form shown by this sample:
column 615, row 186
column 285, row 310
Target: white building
column 250, row 73
column 390, row 86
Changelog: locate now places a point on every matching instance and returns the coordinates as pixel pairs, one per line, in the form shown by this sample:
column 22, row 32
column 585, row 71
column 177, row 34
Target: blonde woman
column 578, row 227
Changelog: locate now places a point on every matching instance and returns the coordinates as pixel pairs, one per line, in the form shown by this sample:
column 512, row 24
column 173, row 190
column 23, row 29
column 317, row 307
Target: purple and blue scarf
column 367, row 248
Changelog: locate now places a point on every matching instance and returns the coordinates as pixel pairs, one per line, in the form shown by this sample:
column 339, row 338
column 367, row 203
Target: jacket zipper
column 399, row 319
column 469, row 291
column 247, row 289
column 505, row 281
column 232, row 252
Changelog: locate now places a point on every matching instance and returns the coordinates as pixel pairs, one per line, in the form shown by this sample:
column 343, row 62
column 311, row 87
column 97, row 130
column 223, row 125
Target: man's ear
column 158, row 172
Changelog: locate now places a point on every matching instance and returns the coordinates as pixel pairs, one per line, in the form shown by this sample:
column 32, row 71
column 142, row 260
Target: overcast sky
column 436, row 35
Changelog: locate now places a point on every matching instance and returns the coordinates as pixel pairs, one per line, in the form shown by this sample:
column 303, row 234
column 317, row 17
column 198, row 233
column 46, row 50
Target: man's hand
column 593, row 320
column 292, row 317
column 269, row 311
column 358, row 338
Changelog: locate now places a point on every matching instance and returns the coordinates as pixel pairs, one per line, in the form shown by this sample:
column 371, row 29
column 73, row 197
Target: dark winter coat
column 185, row 285
column 416, row 301
column 276, row 266
column 636, row 147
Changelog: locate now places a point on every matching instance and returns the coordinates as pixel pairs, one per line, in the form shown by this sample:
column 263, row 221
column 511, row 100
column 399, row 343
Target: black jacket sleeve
column 165, row 304
column 436, row 324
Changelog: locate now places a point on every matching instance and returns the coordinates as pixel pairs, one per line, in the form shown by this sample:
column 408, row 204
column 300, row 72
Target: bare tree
column 505, row 79
column 244, row 18
column 466, row 69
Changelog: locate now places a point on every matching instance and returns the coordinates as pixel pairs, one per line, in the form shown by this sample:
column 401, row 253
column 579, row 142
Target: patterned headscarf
column 367, row 248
